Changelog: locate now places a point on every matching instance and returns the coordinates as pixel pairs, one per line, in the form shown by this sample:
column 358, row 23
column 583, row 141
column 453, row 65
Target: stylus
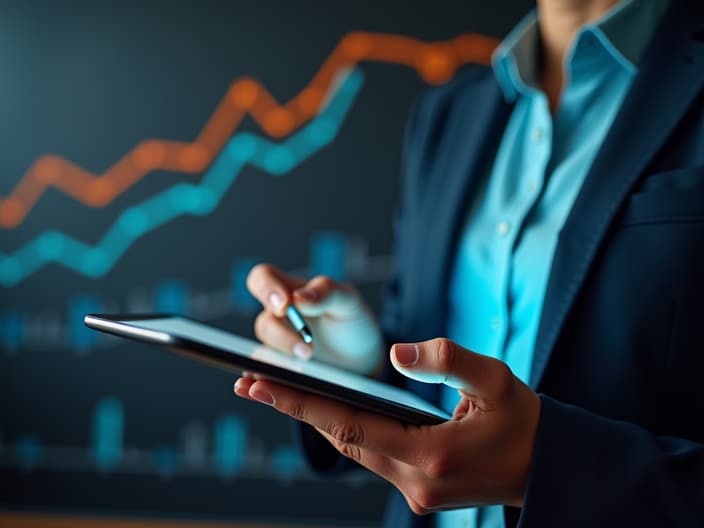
column 299, row 324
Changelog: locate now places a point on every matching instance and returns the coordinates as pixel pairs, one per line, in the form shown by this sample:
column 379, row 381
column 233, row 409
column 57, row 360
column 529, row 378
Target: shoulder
column 436, row 105
column 431, row 126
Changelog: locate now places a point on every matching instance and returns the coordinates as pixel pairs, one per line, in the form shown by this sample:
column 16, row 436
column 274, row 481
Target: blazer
column 619, row 358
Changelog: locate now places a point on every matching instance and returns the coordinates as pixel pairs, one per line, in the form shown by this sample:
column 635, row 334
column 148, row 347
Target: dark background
column 90, row 80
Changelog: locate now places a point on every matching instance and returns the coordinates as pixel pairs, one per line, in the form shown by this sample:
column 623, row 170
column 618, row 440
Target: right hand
column 344, row 330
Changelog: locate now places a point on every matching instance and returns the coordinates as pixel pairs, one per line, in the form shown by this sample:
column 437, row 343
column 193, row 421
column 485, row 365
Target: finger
column 382, row 465
column 384, row 436
column 243, row 383
column 387, row 468
column 396, row 472
column 443, row 361
column 242, row 386
column 272, row 287
column 278, row 334
column 325, row 296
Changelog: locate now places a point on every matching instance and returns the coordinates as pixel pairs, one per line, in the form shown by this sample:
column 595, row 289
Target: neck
column 559, row 21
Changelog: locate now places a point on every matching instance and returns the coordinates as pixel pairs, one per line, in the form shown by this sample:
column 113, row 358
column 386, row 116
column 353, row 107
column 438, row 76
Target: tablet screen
column 160, row 330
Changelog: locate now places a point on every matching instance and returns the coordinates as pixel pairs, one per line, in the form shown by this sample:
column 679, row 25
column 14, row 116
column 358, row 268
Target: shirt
column 503, row 260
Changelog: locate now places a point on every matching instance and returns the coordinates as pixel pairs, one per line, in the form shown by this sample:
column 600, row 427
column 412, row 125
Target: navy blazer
column 619, row 359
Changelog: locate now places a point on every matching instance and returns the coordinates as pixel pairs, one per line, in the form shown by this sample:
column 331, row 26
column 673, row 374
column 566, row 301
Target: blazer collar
column 671, row 75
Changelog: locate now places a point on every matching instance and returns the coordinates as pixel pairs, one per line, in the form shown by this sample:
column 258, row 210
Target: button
column 531, row 186
column 538, row 133
column 496, row 324
column 503, row 228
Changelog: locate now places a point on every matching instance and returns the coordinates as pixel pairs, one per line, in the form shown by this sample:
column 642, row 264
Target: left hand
column 480, row 457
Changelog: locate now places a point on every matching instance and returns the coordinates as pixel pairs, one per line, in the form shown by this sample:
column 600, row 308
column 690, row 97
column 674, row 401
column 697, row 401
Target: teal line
column 183, row 198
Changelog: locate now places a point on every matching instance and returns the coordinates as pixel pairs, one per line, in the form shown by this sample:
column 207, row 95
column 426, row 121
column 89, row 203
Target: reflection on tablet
column 274, row 357
column 219, row 339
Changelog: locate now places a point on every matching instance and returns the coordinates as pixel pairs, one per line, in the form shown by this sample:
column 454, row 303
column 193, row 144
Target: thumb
column 444, row 361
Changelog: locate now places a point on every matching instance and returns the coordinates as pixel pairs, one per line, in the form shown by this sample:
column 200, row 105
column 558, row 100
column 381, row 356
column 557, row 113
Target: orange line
column 435, row 62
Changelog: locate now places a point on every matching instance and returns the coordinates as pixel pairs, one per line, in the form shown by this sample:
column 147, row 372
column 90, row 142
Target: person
column 551, row 230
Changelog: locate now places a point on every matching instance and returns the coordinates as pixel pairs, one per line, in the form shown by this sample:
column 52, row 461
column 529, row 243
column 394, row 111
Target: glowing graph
column 183, row 198
column 435, row 62
column 228, row 452
column 334, row 254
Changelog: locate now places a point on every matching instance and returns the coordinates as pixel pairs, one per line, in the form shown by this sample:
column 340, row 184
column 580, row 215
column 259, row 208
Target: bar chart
column 223, row 450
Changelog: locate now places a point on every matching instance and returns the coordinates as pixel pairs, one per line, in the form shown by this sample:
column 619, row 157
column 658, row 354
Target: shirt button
column 531, row 186
column 503, row 228
column 495, row 323
column 538, row 133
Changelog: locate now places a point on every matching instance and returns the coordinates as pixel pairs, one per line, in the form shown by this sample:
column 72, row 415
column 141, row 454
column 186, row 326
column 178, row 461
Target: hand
column 480, row 457
column 344, row 331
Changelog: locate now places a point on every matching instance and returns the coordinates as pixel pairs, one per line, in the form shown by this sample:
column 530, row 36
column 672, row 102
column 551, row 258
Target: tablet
column 238, row 354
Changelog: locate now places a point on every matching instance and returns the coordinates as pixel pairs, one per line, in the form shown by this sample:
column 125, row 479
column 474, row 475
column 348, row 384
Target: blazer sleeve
column 591, row 471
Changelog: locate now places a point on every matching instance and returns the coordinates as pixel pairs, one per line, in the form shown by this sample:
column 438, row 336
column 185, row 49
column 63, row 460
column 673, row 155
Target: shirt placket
column 530, row 181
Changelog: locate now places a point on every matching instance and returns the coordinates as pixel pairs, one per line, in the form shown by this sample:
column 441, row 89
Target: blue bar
column 108, row 428
column 28, row 450
column 11, row 331
column 171, row 297
column 194, row 445
column 242, row 300
column 166, row 461
column 82, row 339
column 287, row 462
column 230, row 445
column 327, row 255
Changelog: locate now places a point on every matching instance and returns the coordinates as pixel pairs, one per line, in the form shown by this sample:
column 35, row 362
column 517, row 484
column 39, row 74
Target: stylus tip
column 306, row 335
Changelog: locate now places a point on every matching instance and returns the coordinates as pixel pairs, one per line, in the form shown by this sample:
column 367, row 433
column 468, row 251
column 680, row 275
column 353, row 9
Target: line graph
column 185, row 198
column 435, row 62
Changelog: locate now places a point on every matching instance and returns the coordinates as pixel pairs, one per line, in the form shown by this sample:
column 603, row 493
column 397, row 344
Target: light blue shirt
column 505, row 252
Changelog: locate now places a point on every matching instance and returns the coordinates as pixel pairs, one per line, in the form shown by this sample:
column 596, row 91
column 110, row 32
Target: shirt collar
column 623, row 32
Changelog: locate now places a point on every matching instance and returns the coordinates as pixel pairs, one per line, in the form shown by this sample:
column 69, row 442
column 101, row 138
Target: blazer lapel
column 475, row 130
column 675, row 67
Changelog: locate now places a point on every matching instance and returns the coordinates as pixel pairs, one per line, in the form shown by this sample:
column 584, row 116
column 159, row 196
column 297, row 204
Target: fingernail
column 302, row 350
column 406, row 353
column 307, row 294
column 262, row 396
column 276, row 301
column 238, row 383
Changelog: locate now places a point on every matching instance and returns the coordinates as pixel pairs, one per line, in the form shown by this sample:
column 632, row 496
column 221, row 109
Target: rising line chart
column 435, row 62
column 326, row 100
column 183, row 198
